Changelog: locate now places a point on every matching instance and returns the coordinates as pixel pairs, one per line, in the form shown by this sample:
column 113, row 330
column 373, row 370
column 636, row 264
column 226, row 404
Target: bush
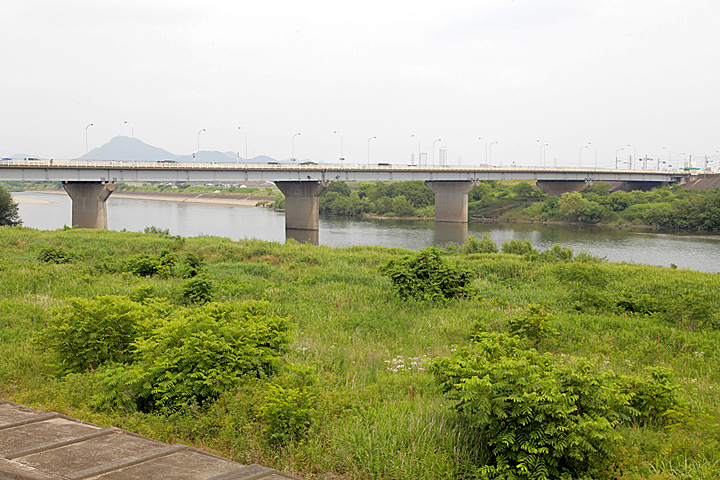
column 58, row 255
column 426, row 276
column 198, row 290
column 484, row 245
column 287, row 413
column 85, row 334
column 650, row 396
column 533, row 325
column 144, row 265
column 518, row 247
column 540, row 420
column 191, row 356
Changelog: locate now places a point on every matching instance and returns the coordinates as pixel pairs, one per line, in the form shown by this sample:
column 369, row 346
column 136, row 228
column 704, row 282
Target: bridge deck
column 121, row 171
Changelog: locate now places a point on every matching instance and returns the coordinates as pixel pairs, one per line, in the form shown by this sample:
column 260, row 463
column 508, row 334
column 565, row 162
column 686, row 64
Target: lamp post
column 86, row 141
column 595, row 144
column 634, row 156
column 197, row 156
column 484, row 140
column 542, row 152
column 293, row 146
column 677, row 159
column 490, row 152
column 433, row 145
column 418, row 158
column 616, row 156
column 245, row 131
column 581, row 149
column 369, row 149
column 669, row 162
column 132, row 141
column 341, row 146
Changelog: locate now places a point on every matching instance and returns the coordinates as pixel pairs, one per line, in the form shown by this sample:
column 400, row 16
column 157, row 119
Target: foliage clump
column 534, row 325
column 157, row 358
column 518, row 247
column 541, row 418
column 84, row 334
column 144, row 265
column 426, row 276
column 482, row 245
column 57, row 255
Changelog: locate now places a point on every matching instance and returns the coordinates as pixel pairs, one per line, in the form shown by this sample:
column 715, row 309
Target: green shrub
column 518, row 247
column 533, row 325
column 483, row 245
column 198, row 290
column 287, row 413
column 584, row 279
column 426, row 276
column 163, row 232
column 84, row 334
column 650, row 396
column 58, row 255
column 640, row 303
column 541, row 420
column 143, row 265
column 200, row 353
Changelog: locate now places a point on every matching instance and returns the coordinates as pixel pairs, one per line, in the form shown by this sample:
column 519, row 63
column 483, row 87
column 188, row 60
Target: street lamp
column 197, row 157
column 542, row 152
column 341, row 146
column 433, row 145
column 616, row 156
column 669, row 162
column 243, row 129
column 581, row 149
column 634, row 156
column 86, row 142
column 293, row 146
column 369, row 149
column 490, row 154
column 418, row 159
column 132, row 141
column 486, row 144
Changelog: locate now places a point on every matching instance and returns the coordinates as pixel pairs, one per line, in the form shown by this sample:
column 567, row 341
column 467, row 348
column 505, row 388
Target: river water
column 693, row 251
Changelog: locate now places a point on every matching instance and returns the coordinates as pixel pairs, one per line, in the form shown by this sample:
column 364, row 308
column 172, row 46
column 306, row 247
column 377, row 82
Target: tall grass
column 378, row 413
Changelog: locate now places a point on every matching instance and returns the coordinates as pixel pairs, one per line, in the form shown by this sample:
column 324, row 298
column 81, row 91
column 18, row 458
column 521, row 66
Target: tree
column 8, row 209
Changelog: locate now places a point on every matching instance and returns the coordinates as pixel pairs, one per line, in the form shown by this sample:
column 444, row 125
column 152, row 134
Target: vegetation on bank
column 477, row 361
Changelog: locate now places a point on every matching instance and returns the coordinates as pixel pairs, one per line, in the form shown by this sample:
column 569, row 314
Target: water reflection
column 447, row 232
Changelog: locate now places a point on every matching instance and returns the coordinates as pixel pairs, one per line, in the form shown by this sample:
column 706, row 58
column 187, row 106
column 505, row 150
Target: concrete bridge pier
column 89, row 209
column 451, row 199
column 302, row 205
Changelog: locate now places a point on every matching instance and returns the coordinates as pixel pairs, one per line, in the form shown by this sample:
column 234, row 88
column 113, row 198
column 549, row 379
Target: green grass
column 378, row 413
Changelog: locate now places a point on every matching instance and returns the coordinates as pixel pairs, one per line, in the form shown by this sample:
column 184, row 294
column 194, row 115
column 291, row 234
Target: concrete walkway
column 50, row 446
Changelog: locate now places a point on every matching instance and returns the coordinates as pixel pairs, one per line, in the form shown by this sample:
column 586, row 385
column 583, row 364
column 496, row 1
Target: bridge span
column 89, row 184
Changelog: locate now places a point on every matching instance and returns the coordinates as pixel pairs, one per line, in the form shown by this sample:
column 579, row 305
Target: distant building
column 423, row 158
column 443, row 156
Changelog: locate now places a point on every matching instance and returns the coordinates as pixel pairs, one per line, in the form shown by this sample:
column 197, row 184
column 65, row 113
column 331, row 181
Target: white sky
column 567, row 72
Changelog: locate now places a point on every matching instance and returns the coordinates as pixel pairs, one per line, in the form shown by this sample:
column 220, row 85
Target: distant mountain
column 127, row 149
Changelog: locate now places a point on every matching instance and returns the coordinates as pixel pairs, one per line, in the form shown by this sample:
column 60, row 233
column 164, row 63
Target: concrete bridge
column 89, row 184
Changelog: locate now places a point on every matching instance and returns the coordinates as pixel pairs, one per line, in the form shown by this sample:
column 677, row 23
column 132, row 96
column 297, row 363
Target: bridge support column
column 302, row 205
column 451, row 199
column 89, row 209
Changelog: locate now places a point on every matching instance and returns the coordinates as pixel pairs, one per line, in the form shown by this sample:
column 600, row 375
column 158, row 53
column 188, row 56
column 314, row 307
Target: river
column 49, row 211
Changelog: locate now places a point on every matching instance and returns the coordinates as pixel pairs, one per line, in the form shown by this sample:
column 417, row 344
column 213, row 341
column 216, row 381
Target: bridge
column 90, row 184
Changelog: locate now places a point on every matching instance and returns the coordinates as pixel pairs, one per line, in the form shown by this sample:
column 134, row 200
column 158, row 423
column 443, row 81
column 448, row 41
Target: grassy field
column 353, row 396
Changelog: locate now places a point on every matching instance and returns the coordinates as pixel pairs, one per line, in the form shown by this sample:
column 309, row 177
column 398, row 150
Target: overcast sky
column 644, row 73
